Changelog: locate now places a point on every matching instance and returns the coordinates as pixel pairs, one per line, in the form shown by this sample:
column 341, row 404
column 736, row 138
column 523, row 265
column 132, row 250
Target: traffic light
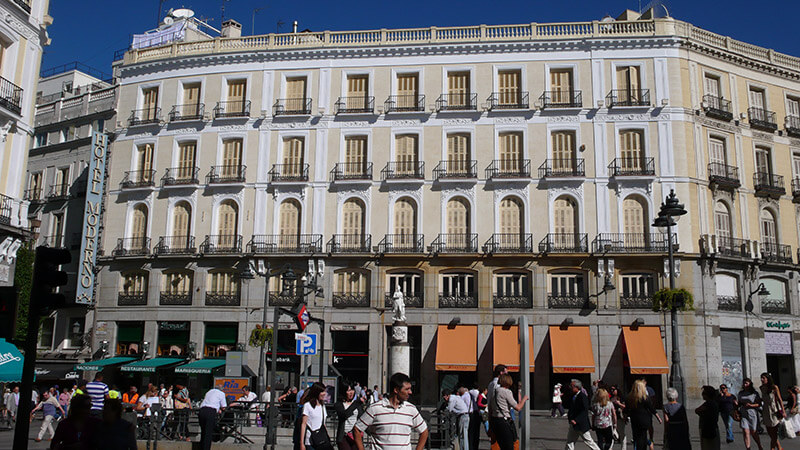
column 8, row 312
column 47, row 276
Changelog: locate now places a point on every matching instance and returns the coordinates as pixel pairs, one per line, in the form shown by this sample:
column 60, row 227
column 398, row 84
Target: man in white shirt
column 456, row 405
column 247, row 400
column 213, row 404
column 391, row 421
column 498, row 370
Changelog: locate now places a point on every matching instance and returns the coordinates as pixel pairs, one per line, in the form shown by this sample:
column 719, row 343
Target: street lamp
column 762, row 292
column 669, row 209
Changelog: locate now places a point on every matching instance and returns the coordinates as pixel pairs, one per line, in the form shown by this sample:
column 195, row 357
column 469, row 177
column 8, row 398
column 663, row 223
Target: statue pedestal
column 399, row 349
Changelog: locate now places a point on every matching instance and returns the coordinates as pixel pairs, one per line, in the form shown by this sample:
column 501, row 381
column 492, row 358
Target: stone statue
column 399, row 306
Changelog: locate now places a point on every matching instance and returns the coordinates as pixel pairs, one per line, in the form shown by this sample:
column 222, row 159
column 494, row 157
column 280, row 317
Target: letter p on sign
column 306, row 344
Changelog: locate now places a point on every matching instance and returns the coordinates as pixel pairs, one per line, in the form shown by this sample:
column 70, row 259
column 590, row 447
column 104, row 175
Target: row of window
column 173, row 339
column 66, row 134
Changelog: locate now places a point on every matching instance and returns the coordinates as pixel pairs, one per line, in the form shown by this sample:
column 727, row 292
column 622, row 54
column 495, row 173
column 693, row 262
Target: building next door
column 780, row 358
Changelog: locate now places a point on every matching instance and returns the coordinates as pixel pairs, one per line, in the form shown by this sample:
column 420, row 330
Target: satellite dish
column 183, row 13
column 168, row 20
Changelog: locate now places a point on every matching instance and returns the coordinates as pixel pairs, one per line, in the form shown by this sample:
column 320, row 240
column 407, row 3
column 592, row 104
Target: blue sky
column 90, row 31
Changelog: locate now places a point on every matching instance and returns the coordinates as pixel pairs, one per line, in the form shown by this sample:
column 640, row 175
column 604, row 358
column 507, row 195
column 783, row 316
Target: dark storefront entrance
column 780, row 357
column 351, row 354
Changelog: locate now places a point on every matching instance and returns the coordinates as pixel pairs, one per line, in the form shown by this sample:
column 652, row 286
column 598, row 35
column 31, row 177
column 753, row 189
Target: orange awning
column 645, row 350
column 571, row 349
column 457, row 348
column 506, row 347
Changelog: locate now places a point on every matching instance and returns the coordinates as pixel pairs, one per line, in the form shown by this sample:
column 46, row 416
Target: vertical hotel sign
column 91, row 219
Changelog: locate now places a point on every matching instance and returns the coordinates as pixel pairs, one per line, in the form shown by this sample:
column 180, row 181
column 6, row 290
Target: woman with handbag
column 313, row 434
column 348, row 410
column 604, row 419
column 749, row 402
column 501, row 424
column 773, row 411
column 676, row 423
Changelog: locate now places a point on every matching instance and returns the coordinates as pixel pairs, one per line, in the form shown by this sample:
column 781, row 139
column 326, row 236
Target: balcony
column 175, row 299
column 792, row 125
column 775, row 306
column 132, row 298
column 58, row 192
column 457, row 102
column 768, row 185
column 226, row 174
column 508, row 100
column 776, row 253
column 404, row 103
column 350, row 300
column 469, row 300
column 191, row 111
column 508, row 169
column 557, row 168
column 278, row 298
column 643, row 301
column 564, row 243
column 282, row 243
column 355, row 105
column 132, row 246
column 402, row 243
column 632, row 167
column 350, row 243
column 222, row 299
column 403, row 170
column 292, row 107
column 181, row 176
column 34, row 195
column 723, row 176
column 578, row 301
column 762, row 119
column 175, row 245
column 509, row 243
column 456, row 170
column 221, row 244
column 512, row 301
column 357, row 171
column 288, row 173
column 53, row 241
column 717, row 107
column 24, row 4
column 146, row 116
column 137, row 179
column 729, row 303
column 5, row 209
column 561, row 99
column 10, row 93
column 728, row 247
column 455, row 243
column 628, row 97
column 232, row 109
column 630, row 243
column 411, row 301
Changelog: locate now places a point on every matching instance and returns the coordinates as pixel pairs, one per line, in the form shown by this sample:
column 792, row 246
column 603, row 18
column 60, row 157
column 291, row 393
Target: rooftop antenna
column 222, row 18
column 255, row 11
column 279, row 25
column 160, row 10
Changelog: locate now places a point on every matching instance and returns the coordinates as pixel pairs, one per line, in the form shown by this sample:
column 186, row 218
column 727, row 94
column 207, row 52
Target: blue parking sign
column 306, row 344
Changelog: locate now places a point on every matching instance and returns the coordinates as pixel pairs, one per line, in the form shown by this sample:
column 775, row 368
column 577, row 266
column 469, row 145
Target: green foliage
column 665, row 298
column 260, row 336
column 23, row 278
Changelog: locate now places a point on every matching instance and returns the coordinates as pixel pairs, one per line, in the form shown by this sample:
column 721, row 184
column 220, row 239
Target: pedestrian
column 147, row 400
column 578, row 416
column 727, row 405
column 772, row 411
column 12, row 403
column 640, row 411
column 499, row 369
column 113, row 392
column 709, row 415
column 749, row 404
column 98, row 391
column 483, row 404
column 557, row 405
column 167, row 406
column 49, row 406
column 676, row 423
column 313, row 433
column 213, row 404
column 348, row 410
column 391, row 421
column 619, row 409
column 79, row 429
column 266, row 400
column 34, row 398
column 114, row 432
column 459, row 410
column 794, row 407
column 357, row 388
column 604, row 418
column 248, row 401
column 183, row 405
column 376, row 393
column 502, row 402
column 475, row 420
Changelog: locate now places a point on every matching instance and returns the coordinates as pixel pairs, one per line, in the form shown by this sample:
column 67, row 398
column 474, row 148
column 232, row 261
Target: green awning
column 172, row 337
column 10, row 362
column 150, row 365
column 222, row 334
column 130, row 332
column 201, row 366
column 100, row 364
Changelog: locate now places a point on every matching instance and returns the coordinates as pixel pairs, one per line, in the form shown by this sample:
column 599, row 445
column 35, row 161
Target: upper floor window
column 638, row 285
column 757, row 98
column 458, row 284
column 793, row 107
column 149, row 103
column 134, row 283
column 407, row 91
column 296, row 88
column 46, row 333
column 512, row 284
column 562, row 86
column 69, row 134
column 567, row 285
column 357, row 92
column 716, row 150
column 711, row 83
column 289, row 226
column 178, row 282
column 293, row 156
column 139, row 225
column 763, row 160
column 187, row 153
column 237, row 95
column 353, row 217
column 35, row 186
column 231, row 158
column 406, row 153
column 62, row 178
column 355, row 155
column 458, row 152
column 458, row 88
column 56, row 229
column 769, row 230
column 409, row 283
column 77, row 326
column 629, row 84
column 144, row 162
column 224, row 282
column 458, row 217
column 40, row 140
column 509, row 84
column 722, row 223
column 352, row 282
column 632, row 151
column 191, row 100
column 182, row 220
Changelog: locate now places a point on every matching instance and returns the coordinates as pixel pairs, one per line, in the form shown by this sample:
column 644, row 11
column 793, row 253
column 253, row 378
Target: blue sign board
column 306, row 344
column 90, row 239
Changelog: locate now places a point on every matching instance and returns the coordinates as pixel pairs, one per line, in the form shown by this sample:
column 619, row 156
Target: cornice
column 24, row 28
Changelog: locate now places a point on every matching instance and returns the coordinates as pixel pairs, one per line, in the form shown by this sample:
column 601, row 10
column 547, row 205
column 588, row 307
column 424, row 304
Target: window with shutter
column 353, row 218
column 796, row 165
column 296, row 94
column 757, row 98
column 561, row 86
column 357, row 92
column 139, row 226
column 355, row 157
column 716, row 150
column 511, row 216
column 228, row 224
column 769, row 234
column 224, row 283
column 763, row 162
column 458, row 89
column 182, row 222
column 406, row 157
column 793, row 107
column 634, row 222
column 628, row 84
column 564, row 155
column 713, row 90
column 293, row 156
column 145, row 163
column 191, row 100
column 149, row 103
column 237, row 95
column 186, row 158
column 405, row 223
column 722, row 222
column 458, row 154
column 631, row 151
column 508, row 83
column 511, row 152
column 231, row 158
column 352, row 282
column 289, row 224
column 458, row 223
column 35, row 186
column 407, row 90
column 56, row 229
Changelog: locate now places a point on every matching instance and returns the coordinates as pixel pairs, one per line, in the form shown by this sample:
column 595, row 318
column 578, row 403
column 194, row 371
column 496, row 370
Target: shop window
column 46, row 333
column 220, row 339
column 173, row 338
column 130, row 336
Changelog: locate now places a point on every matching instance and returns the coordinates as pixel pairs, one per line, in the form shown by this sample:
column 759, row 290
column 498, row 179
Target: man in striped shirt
column 98, row 391
column 390, row 421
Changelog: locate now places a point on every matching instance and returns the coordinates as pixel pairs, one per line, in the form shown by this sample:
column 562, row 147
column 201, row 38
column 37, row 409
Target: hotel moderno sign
column 91, row 219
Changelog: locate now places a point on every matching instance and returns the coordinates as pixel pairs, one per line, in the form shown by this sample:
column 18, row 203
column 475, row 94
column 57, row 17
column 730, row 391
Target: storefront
column 733, row 368
column 130, row 337
column 780, row 353
column 154, row 370
column 288, row 363
column 456, row 355
column 220, row 338
column 198, row 376
column 351, row 352
column 173, row 338
column 645, row 358
column 52, row 373
column 571, row 355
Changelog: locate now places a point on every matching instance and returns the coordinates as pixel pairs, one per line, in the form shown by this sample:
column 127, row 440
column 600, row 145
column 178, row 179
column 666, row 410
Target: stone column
column 399, row 349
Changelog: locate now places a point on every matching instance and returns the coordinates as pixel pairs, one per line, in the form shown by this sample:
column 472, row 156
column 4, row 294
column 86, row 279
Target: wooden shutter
column 458, row 153
column 458, row 217
column 712, row 87
column 633, row 216
column 296, row 88
column 186, row 158
column 796, row 164
column 793, row 107
column 508, row 83
column 57, row 228
column 228, row 223
column 757, row 98
column 631, row 150
column 458, row 88
column 406, row 157
column 353, row 218
column 191, row 99
column 628, row 83
column 139, row 225
column 237, row 92
column 231, row 157
column 182, row 220
column 763, row 161
column 149, row 103
column 769, row 233
column 355, row 157
column 716, row 151
column 564, row 216
column 293, row 156
column 564, row 151
column 357, row 90
column 405, row 220
column 511, row 152
column 722, row 221
column 561, row 86
column 289, row 224
column 407, row 90
column 511, row 216
column 145, row 160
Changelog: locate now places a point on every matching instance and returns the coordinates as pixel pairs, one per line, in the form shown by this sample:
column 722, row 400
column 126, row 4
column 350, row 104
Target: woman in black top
column 709, row 416
column 348, row 409
column 640, row 411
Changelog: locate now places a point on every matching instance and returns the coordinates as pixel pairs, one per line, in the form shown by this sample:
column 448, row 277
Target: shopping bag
column 787, row 430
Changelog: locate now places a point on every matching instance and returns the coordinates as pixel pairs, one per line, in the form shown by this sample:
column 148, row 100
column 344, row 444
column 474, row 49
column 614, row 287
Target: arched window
column 565, row 224
column 634, row 222
column 458, row 225
column 181, row 221
column 722, row 223
column 228, row 224
column 139, row 226
column 512, row 224
column 353, row 226
column 405, row 224
column 289, row 224
column 769, row 231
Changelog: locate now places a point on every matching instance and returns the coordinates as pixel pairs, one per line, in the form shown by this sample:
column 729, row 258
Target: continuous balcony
column 11, row 94
column 630, row 243
column 455, row 243
column 280, row 298
column 137, row 179
column 762, row 119
column 132, row 298
column 465, row 300
column 34, row 195
column 768, row 185
column 5, row 209
column 775, row 306
column 508, row 169
column 223, row 298
column 403, row 170
column 456, row 170
column 457, row 102
column 187, row 112
column 146, row 116
column 729, row 303
column 561, row 99
column 232, row 109
column 508, row 100
column 404, row 103
column 628, row 97
column 228, row 174
column 132, row 246
column 264, row 244
column 723, row 176
column 512, row 301
column 175, row 245
column 350, row 300
column 350, row 243
column 792, row 125
column 776, row 253
column 729, row 247
column 58, row 192
column 175, row 298
column 358, row 171
column 717, row 107
column 411, row 300
column 564, row 243
column 636, row 301
column 509, row 243
column 562, row 168
column 292, row 107
column 632, row 167
column 402, row 243
column 576, row 301
column 181, row 176
column 289, row 173
column 355, row 105
column 221, row 244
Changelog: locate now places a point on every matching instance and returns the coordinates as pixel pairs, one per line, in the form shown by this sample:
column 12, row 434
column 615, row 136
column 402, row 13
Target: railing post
column 771, row 55
column 326, row 37
column 483, row 32
column 728, row 42
column 173, row 50
column 383, row 36
column 216, row 45
column 533, row 30
column 595, row 28
column 433, row 34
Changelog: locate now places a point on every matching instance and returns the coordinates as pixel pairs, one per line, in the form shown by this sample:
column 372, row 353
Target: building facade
column 489, row 172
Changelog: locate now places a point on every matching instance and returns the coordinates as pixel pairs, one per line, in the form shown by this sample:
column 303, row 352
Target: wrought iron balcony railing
column 58, row 192
column 509, row 168
column 281, row 173
column 350, row 243
column 631, row 243
column 622, row 167
column 456, row 170
column 508, row 100
column 232, row 108
column 402, row 243
column 351, row 171
column 350, row 300
column 226, row 174
column 190, row 111
column 733, row 247
column 562, row 168
column 561, row 99
column 768, row 185
column 455, row 243
column 175, row 245
column 564, row 243
column 5, row 209
column 34, row 195
column 132, row 246
column 175, row 299
column 762, row 119
column 792, row 125
column 355, row 105
column 403, row 170
column 132, row 298
column 729, row 303
column 717, row 107
column 404, row 103
column 630, row 301
column 775, row 306
column 512, row 301
column 221, row 243
column 222, row 299
column 457, row 102
column 468, row 300
column 285, row 243
column 577, row 301
column 723, row 176
column 777, row 253
column 144, row 116
column 11, row 94
column 180, row 176
column 411, row 300
column 292, row 107
column 279, row 298
column 135, row 179
column 509, row 243
column 628, row 97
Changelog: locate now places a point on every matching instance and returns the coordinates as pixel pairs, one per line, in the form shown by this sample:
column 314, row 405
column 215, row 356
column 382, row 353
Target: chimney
column 294, row 27
column 231, row 29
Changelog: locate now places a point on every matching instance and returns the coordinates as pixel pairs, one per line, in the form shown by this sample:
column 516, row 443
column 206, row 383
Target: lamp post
column 669, row 209
column 762, row 292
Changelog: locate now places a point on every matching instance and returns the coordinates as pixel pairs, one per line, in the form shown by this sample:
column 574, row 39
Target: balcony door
column 289, row 225
column 458, row 223
column 407, row 91
column 178, row 283
column 564, row 155
column 181, row 223
column 149, row 103
column 561, row 86
column 722, row 223
column 712, row 89
column 355, row 156
column 353, row 216
column 717, row 156
column 144, row 162
column 769, row 233
column 763, row 165
column 634, row 220
column 231, row 158
column 566, row 285
column 628, row 84
column 191, row 100
column 406, row 154
column 228, row 225
column 458, row 154
column 237, row 93
column 757, row 100
column 458, row 285
column 405, row 223
column 224, row 283
column 631, row 151
column 186, row 160
column 508, row 83
column 351, row 282
column 139, row 226
column 296, row 94
column 458, row 89
column 796, row 165
column 293, row 157
column 511, row 152
column 565, row 223
column 357, row 92
column 512, row 225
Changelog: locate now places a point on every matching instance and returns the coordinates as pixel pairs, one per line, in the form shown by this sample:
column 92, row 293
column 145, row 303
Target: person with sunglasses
column 727, row 404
